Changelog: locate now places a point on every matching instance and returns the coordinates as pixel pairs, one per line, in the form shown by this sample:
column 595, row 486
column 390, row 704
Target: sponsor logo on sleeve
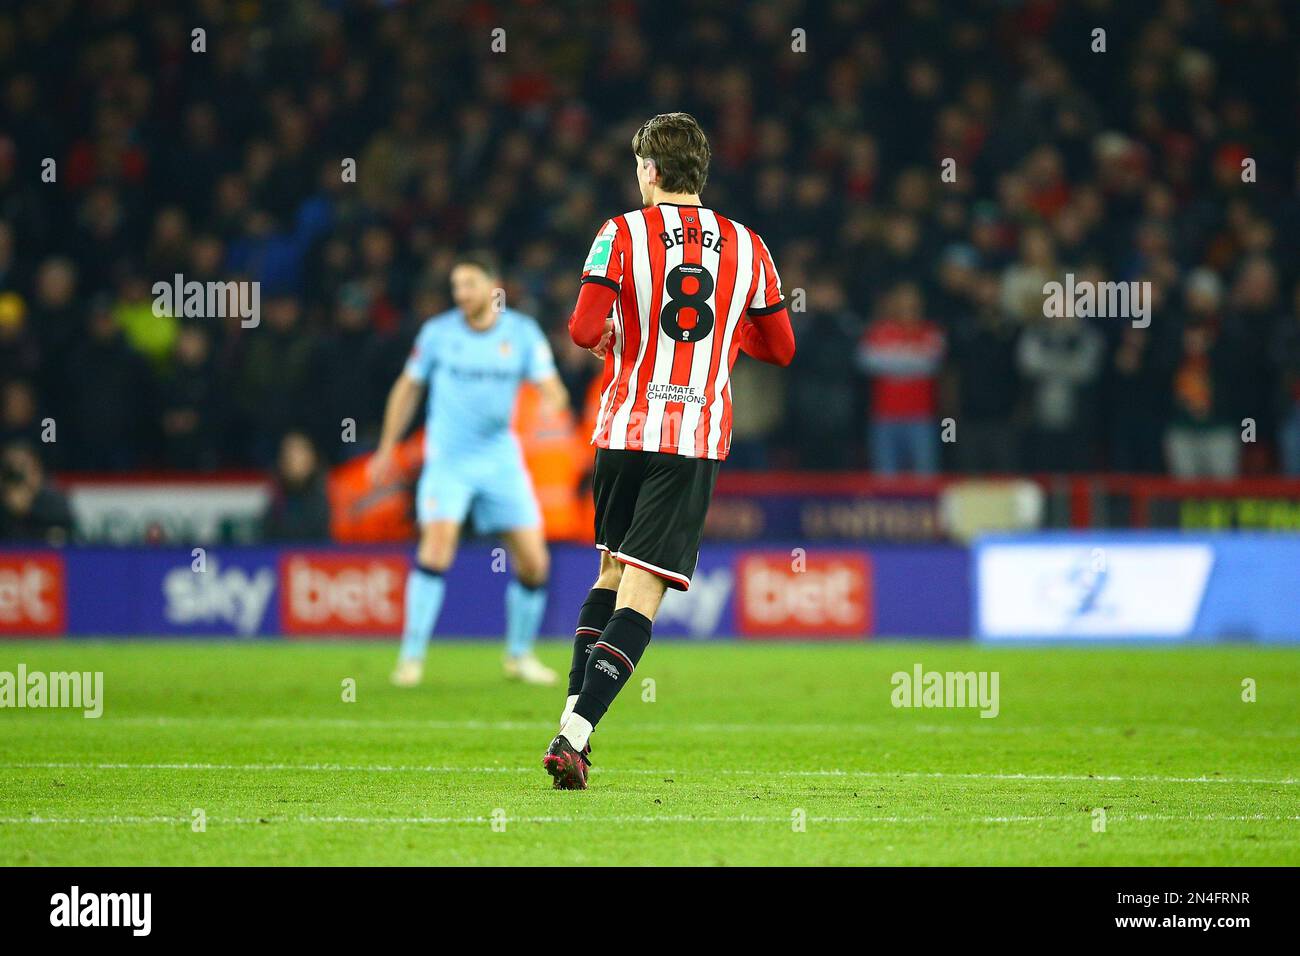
column 598, row 258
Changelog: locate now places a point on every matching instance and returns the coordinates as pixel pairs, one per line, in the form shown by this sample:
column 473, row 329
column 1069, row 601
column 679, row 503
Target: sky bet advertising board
column 312, row 593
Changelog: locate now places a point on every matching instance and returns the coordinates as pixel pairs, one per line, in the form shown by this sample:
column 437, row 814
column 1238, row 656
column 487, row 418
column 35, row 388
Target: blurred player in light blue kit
column 472, row 360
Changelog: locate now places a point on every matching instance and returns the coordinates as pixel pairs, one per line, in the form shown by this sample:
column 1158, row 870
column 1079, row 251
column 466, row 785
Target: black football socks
column 592, row 619
column 613, row 659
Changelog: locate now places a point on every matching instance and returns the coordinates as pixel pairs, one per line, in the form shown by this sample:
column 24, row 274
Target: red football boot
column 566, row 765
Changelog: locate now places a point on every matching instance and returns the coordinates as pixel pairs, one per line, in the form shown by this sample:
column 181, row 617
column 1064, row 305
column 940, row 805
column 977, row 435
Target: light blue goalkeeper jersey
column 473, row 379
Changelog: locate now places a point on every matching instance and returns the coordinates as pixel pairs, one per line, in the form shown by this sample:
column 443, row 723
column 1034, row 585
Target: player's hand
column 601, row 348
column 380, row 466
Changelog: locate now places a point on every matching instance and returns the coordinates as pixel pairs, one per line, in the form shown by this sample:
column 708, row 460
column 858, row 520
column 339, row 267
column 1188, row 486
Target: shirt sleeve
column 767, row 291
column 604, row 264
column 423, row 357
column 769, row 338
column 587, row 323
column 540, row 361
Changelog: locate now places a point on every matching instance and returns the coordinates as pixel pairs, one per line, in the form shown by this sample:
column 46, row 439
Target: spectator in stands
column 1059, row 357
column 902, row 353
column 20, row 354
column 954, row 297
column 347, row 373
column 822, row 402
column 232, row 164
column 299, row 511
column 108, row 393
column 147, row 332
column 272, row 383
column 1286, row 352
column 1137, row 391
column 987, row 383
column 273, row 254
column 894, row 256
column 1023, row 281
column 56, row 318
column 19, row 416
column 9, row 265
column 32, row 511
column 193, row 400
column 1250, row 329
column 1202, row 440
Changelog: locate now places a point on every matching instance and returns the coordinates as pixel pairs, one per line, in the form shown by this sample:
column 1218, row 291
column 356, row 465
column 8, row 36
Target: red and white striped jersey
column 686, row 277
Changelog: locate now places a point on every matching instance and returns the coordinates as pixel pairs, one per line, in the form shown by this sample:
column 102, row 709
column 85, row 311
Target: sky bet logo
column 134, row 910
column 828, row 595
column 230, row 596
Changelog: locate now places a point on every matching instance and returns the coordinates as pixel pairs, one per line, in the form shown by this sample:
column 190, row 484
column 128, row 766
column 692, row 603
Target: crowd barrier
column 821, row 509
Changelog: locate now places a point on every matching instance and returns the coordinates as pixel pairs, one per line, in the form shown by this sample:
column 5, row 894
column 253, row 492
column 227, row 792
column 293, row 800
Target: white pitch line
column 864, row 774
column 618, row 818
column 892, row 726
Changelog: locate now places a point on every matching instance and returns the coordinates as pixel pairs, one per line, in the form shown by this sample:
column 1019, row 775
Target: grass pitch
column 747, row 754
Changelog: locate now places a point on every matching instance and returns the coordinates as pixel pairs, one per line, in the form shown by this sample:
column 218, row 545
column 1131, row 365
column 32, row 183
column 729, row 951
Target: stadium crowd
column 1171, row 157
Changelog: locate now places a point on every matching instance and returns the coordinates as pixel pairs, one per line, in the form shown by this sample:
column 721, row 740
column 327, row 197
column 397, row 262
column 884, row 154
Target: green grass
column 713, row 771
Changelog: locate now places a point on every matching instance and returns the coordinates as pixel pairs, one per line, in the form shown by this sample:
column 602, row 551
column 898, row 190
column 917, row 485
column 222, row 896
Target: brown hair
column 480, row 259
column 679, row 149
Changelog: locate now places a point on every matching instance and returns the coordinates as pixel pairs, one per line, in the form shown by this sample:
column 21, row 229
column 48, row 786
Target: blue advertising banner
column 127, row 591
column 773, row 592
column 1146, row 586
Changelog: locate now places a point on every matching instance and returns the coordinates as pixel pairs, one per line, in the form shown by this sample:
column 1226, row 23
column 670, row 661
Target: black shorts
column 650, row 510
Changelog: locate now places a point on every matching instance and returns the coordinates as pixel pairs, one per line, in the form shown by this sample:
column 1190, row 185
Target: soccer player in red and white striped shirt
column 670, row 294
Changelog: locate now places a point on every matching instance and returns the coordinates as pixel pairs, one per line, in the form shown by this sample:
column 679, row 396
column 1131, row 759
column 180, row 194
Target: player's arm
column 554, row 394
column 602, row 274
column 768, row 336
column 765, row 332
column 590, row 321
column 541, row 371
column 403, row 400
